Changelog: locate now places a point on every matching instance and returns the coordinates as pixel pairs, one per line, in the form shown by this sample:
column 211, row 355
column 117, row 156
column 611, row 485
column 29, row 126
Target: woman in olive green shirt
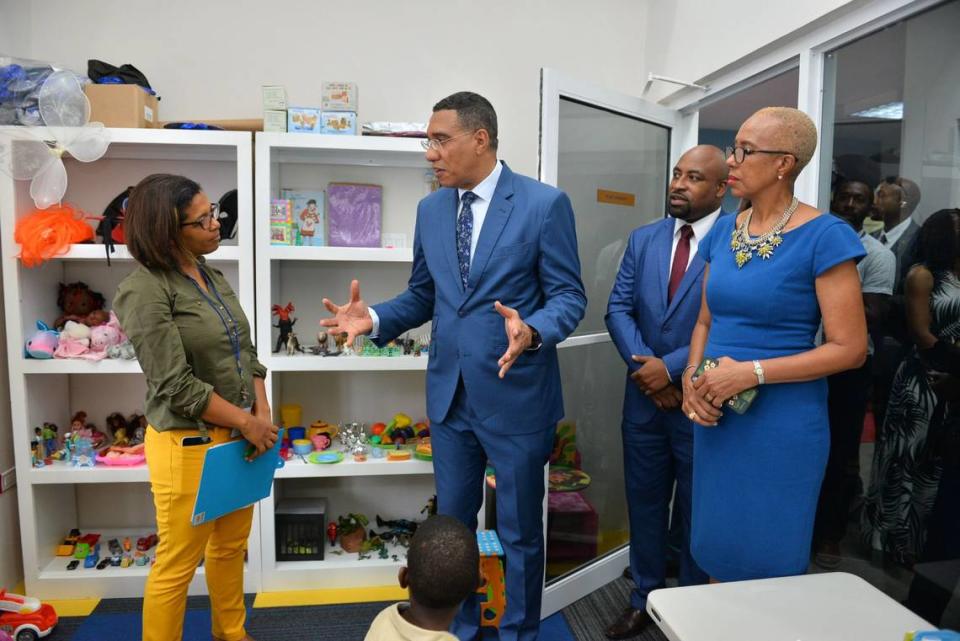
column 204, row 385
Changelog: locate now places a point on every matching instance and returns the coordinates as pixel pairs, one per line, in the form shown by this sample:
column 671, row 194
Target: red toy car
column 146, row 542
column 25, row 618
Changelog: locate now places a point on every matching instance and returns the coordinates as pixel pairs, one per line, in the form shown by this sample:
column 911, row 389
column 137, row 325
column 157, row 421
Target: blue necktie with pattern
column 465, row 235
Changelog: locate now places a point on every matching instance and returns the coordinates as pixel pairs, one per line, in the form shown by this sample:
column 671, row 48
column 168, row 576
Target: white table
column 815, row 607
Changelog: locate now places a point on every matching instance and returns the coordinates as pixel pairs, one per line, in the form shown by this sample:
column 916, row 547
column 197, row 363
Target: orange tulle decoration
column 45, row 233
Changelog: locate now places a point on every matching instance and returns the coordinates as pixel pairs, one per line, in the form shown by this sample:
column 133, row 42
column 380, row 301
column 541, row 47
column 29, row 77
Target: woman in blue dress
column 774, row 272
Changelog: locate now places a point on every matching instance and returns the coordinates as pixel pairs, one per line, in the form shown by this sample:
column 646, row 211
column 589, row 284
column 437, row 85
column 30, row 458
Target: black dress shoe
column 627, row 574
column 631, row 623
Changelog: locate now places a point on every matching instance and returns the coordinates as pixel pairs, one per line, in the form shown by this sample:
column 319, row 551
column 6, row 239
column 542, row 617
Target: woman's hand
column 695, row 406
column 724, row 381
column 261, row 434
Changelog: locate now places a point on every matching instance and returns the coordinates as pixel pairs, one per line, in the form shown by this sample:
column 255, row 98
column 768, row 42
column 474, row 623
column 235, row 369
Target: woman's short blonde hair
column 796, row 133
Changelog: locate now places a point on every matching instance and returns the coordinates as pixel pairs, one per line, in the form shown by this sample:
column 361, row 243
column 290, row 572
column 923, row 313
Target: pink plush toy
column 79, row 341
column 105, row 336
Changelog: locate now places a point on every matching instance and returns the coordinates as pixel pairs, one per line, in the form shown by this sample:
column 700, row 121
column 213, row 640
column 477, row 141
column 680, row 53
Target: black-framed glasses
column 437, row 145
column 206, row 221
column 740, row 153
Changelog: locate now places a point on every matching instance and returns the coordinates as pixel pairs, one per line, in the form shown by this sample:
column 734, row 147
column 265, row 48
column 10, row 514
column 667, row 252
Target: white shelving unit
column 344, row 388
column 111, row 501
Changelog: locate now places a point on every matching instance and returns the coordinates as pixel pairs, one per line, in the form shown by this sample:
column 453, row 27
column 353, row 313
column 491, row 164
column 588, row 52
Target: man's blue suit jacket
column 638, row 317
column 526, row 257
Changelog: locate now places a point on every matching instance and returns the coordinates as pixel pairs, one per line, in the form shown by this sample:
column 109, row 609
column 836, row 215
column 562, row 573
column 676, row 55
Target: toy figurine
column 78, row 422
column 84, row 454
column 431, row 507
column 138, row 423
column 322, row 347
column 341, row 342
column 332, row 533
column 118, row 429
column 284, row 323
column 293, row 344
column 37, row 453
column 51, row 439
column 400, row 525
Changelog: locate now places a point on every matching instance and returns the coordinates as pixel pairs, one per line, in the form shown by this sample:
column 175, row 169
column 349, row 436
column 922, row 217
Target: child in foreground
column 443, row 569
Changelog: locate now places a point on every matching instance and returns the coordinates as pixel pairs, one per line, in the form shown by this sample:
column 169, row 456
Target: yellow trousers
column 174, row 479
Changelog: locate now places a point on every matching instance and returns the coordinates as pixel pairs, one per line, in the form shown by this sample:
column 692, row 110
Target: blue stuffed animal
column 43, row 343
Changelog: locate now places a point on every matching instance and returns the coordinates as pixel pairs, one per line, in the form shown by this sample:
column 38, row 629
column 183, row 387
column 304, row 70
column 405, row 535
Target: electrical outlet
column 8, row 479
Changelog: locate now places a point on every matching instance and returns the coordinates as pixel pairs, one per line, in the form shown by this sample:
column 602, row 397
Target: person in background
column 774, row 273
column 849, row 391
column 906, row 466
column 497, row 272
column 650, row 315
column 443, row 569
column 204, row 382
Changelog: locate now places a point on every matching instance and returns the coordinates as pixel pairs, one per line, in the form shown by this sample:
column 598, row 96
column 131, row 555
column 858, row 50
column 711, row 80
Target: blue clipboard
column 228, row 482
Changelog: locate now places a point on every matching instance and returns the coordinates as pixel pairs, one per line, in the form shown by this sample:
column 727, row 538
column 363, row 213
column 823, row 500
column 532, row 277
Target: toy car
column 25, row 618
column 73, row 564
column 147, row 542
column 92, row 560
column 104, row 562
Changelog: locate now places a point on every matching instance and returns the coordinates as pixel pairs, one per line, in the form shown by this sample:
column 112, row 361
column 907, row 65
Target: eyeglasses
column 437, row 145
column 206, row 221
column 740, row 153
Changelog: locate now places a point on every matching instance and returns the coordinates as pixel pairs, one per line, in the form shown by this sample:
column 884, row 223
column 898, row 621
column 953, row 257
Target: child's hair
column 443, row 563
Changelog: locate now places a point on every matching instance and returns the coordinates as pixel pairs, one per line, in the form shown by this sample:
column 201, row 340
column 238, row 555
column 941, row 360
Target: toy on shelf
column 43, row 343
column 332, row 533
column 320, row 442
column 77, row 340
column 117, row 425
column 51, row 439
column 81, row 304
column 399, row 430
column 424, row 451
column 123, row 456
column 124, row 351
column 284, row 324
column 25, row 617
column 351, row 531
column 45, row 233
column 37, row 450
column 137, row 423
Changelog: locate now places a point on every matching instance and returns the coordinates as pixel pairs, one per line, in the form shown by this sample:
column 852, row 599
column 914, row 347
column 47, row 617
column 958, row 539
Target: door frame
column 682, row 128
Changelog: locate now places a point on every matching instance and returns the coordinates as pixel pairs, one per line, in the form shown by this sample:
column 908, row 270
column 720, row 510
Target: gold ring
column 692, row 415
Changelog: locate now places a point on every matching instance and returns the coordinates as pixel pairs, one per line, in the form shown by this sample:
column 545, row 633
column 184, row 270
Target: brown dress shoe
column 631, row 623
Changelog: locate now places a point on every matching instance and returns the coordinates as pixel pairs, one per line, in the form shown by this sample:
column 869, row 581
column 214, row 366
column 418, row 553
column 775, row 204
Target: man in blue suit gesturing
column 496, row 270
column 651, row 314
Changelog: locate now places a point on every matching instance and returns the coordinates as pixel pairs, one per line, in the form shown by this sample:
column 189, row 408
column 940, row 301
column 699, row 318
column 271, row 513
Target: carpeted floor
column 589, row 616
column 119, row 620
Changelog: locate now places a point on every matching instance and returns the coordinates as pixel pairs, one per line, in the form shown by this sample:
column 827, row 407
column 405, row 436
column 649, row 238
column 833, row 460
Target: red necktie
column 680, row 259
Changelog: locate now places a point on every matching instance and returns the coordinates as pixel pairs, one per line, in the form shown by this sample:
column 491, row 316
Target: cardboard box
column 303, row 120
column 274, row 98
column 339, row 96
column 123, row 106
column 274, row 120
column 338, row 123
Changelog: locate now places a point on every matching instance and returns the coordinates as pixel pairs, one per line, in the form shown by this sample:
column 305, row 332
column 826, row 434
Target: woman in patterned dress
column 906, row 466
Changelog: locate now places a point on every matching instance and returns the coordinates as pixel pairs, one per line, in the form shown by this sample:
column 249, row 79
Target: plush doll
column 124, row 350
column 102, row 337
column 81, row 304
column 44, row 343
column 74, row 341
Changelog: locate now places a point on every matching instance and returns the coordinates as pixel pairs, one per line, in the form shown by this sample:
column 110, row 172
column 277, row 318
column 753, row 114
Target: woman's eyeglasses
column 740, row 153
column 206, row 221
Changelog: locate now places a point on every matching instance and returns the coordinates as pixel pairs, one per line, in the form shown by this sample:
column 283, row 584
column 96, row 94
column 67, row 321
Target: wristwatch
column 535, row 341
column 758, row 370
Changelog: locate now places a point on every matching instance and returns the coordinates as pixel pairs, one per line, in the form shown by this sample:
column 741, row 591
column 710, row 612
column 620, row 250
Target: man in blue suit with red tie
column 496, row 270
column 651, row 314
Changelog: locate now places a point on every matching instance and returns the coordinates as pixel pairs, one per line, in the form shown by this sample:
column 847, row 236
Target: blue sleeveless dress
column 756, row 476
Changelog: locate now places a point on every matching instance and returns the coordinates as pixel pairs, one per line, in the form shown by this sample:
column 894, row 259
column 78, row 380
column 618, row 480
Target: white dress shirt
column 700, row 229
column 484, row 195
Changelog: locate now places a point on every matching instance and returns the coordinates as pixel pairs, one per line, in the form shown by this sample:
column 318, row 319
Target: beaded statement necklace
column 743, row 247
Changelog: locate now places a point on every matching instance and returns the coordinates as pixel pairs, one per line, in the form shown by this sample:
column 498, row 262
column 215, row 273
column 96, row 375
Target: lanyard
column 232, row 329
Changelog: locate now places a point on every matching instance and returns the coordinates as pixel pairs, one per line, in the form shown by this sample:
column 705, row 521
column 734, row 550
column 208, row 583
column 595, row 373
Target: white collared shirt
column 700, row 229
column 888, row 238
column 484, row 194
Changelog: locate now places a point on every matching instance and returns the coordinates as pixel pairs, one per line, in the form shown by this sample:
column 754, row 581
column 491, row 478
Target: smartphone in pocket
column 190, row 441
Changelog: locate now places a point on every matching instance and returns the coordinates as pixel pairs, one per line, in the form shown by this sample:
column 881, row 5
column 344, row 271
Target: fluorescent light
column 889, row 111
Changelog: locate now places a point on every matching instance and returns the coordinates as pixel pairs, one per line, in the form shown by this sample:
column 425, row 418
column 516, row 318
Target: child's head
column 443, row 564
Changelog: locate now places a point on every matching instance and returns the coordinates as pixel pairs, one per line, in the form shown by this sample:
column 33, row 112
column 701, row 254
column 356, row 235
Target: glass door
column 611, row 154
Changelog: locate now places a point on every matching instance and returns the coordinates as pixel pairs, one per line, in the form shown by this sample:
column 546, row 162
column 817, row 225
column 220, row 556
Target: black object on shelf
column 300, row 529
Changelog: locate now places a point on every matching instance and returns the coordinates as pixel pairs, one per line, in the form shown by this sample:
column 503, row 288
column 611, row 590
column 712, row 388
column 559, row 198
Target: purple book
column 354, row 214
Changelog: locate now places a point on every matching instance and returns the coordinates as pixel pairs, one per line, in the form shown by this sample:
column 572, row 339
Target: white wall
column 208, row 59
column 692, row 39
